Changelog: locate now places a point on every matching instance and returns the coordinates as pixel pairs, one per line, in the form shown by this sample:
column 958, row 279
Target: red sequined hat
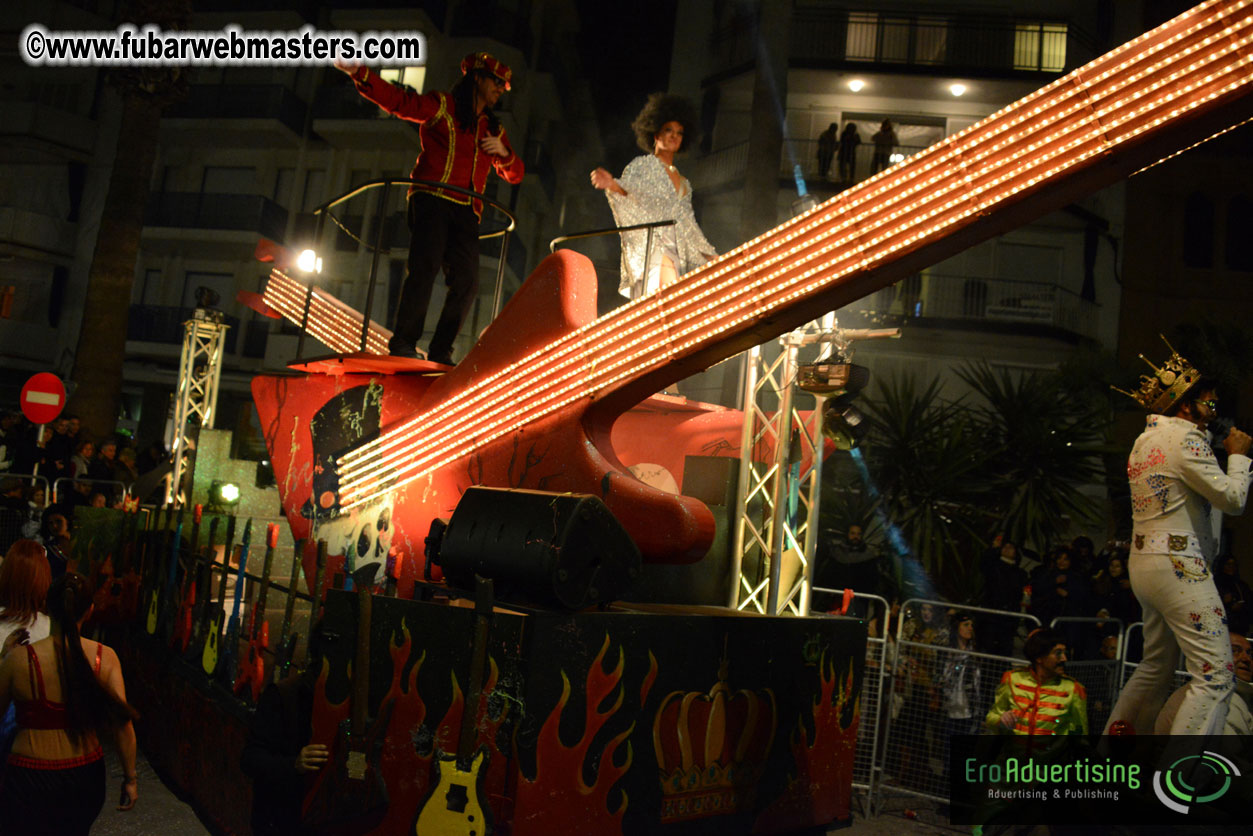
column 485, row 61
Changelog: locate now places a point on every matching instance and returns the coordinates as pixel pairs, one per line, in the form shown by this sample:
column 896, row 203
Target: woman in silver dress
column 652, row 189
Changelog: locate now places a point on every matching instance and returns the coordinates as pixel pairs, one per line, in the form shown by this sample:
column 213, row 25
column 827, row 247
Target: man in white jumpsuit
column 1176, row 489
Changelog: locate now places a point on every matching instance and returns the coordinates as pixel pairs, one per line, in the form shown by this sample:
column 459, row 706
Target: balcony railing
column 805, row 152
column 197, row 210
column 1005, row 301
column 164, row 324
column 726, row 165
column 341, row 101
column 923, row 40
column 243, row 101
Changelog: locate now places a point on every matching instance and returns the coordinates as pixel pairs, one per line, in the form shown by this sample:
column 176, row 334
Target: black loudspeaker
column 560, row 549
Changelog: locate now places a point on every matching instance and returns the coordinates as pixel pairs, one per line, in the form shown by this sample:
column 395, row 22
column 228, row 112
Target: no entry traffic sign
column 43, row 398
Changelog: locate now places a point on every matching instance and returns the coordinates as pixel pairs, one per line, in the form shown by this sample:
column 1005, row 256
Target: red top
column 42, row 713
column 449, row 155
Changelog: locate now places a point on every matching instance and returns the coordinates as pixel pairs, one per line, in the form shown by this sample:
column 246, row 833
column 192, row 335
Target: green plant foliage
column 1013, row 456
column 1048, row 448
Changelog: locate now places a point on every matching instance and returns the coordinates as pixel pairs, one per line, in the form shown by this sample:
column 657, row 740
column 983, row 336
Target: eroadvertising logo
column 1194, row 779
column 1090, row 780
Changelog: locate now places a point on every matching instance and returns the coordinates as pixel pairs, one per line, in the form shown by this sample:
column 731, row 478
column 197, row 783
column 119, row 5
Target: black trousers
column 51, row 802
column 442, row 235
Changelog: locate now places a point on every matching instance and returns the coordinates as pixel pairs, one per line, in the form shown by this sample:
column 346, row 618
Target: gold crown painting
column 1162, row 389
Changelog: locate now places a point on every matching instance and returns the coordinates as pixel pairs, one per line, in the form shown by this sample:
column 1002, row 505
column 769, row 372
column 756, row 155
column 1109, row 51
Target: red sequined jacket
column 448, row 155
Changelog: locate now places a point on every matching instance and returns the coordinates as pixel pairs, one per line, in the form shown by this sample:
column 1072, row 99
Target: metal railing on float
column 377, row 249
column 614, row 230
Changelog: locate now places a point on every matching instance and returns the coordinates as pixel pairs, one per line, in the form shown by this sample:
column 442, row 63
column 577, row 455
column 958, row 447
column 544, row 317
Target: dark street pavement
column 158, row 812
column 161, row 813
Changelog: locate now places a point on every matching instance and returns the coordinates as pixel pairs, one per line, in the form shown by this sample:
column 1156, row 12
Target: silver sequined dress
column 650, row 196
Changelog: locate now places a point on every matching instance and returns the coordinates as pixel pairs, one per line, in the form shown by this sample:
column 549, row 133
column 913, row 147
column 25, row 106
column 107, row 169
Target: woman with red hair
column 25, row 576
column 69, row 693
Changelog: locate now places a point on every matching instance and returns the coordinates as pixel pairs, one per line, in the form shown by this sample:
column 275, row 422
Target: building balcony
column 237, row 115
column 47, row 129
column 218, row 221
column 948, row 301
column 26, row 345
column 346, row 120
column 35, row 236
column 728, row 165
column 164, row 325
column 920, row 42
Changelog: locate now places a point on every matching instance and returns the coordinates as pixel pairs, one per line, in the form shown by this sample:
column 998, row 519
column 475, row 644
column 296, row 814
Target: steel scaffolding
column 775, row 531
column 199, row 371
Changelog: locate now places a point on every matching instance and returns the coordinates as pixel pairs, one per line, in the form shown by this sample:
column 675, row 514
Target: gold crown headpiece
column 1163, row 389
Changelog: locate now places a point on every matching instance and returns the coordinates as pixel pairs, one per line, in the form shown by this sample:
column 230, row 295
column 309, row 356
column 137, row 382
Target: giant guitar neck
column 1171, row 87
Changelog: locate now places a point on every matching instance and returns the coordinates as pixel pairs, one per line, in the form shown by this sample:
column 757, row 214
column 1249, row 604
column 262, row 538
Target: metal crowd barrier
column 31, row 479
column 914, row 758
column 1136, row 631
column 1101, row 676
column 56, row 485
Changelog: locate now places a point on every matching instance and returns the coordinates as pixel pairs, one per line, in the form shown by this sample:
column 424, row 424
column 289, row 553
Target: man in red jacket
column 461, row 140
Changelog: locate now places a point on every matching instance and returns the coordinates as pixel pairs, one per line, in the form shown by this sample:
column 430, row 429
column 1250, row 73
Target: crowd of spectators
column 1071, row 581
column 74, row 471
column 939, row 678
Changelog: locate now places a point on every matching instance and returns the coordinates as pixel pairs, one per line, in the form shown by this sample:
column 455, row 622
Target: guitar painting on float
column 534, row 402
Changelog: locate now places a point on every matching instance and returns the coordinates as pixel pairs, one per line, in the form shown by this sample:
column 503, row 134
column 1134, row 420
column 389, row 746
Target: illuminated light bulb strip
column 1033, row 180
column 634, row 358
column 1217, row 51
column 330, row 320
column 1128, row 127
column 1137, row 102
column 315, row 327
column 328, row 310
column 443, row 411
column 1190, row 147
column 348, row 324
column 627, row 361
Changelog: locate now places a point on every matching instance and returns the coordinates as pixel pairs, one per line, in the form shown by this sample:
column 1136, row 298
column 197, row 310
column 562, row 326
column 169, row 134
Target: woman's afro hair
column 660, row 109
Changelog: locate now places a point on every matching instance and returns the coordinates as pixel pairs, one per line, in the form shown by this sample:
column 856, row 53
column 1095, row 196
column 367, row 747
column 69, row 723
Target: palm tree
column 937, row 477
column 923, row 459
column 1047, row 448
column 101, row 349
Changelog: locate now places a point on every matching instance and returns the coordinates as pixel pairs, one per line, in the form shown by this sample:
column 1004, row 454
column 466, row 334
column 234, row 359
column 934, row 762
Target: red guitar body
column 182, row 628
column 566, row 451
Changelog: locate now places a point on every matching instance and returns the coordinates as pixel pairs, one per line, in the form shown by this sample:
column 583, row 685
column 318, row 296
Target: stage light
column 856, row 84
column 957, row 89
column 207, row 297
column 844, row 424
column 309, row 262
column 223, row 493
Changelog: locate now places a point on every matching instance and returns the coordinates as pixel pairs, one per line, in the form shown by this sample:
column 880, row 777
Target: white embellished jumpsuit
column 1176, row 486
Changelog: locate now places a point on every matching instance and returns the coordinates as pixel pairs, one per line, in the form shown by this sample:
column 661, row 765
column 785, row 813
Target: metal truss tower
column 775, row 532
column 199, row 371
column 773, row 538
